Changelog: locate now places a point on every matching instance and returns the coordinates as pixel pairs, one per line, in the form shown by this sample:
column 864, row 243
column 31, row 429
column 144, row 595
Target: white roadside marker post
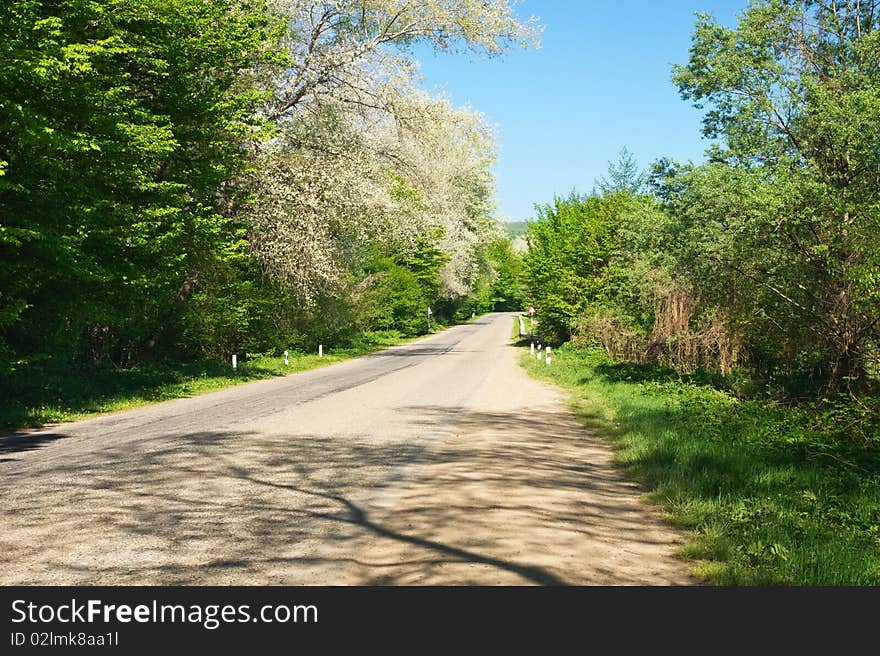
column 320, row 350
column 548, row 356
column 539, row 351
column 234, row 362
column 532, row 349
column 286, row 358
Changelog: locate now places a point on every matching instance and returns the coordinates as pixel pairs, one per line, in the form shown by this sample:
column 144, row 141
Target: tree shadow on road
column 240, row 507
column 17, row 442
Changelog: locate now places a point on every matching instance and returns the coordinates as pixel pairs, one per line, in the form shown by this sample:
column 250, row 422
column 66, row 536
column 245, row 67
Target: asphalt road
column 436, row 462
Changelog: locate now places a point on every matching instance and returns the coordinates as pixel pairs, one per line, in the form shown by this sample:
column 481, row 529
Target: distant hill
column 516, row 228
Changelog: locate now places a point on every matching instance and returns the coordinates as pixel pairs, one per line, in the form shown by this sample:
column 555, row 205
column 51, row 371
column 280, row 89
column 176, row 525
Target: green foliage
column 402, row 286
column 400, row 302
column 570, row 265
column 764, row 256
column 424, row 262
column 121, row 124
column 791, row 198
column 505, row 292
column 624, row 176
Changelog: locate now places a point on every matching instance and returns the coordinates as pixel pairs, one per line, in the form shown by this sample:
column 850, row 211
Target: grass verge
column 529, row 324
column 41, row 393
column 767, row 497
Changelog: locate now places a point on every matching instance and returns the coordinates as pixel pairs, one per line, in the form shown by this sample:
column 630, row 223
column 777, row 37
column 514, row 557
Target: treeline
column 763, row 262
column 184, row 180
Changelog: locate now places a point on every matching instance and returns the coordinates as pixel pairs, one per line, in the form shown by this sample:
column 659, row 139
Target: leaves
column 181, row 178
column 786, row 215
column 113, row 182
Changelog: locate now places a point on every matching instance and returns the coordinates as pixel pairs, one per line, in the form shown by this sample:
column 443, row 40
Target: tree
column 199, row 160
column 793, row 97
column 363, row 156
column 340, row 180
column 572, row 245
column 505, row 288
column 121, row 124
column 342, row 49
column 624, row 176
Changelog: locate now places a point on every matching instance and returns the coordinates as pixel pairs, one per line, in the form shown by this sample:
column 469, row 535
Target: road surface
column 436, row 462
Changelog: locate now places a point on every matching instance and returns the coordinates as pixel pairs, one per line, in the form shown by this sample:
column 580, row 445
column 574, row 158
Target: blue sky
column 600, row 81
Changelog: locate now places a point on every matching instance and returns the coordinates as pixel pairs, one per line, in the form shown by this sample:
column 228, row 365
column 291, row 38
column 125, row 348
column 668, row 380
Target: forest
column 181, row 181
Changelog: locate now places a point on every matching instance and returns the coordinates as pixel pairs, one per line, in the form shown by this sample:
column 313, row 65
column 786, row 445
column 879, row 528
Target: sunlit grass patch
column 763, row 494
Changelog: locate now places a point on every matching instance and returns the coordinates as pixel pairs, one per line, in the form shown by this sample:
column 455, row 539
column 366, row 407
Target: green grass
column 766, row 495
column 514, row 330
column 41, row 393
column 530, row 324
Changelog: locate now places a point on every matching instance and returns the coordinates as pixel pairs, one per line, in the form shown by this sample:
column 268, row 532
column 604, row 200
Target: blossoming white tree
column 334, row 45
column 364, row 156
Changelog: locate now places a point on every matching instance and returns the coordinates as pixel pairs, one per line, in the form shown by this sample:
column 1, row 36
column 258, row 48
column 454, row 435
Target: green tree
column 399, row 286
column 624, row 176
column 792, row 198
column 572, row 244
column 121, row 125
column 505, row 288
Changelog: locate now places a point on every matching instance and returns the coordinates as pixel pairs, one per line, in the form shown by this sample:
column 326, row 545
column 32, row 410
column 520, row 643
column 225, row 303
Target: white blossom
column 362, row 154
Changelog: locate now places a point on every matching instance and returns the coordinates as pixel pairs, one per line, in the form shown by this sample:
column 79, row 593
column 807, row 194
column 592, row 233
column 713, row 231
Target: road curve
column 436, row 462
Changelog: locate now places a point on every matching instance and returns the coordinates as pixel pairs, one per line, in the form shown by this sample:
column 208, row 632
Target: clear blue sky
column 600, row 81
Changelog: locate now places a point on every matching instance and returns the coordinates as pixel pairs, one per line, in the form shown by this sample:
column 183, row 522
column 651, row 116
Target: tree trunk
column 182, row 294
column 848, row 372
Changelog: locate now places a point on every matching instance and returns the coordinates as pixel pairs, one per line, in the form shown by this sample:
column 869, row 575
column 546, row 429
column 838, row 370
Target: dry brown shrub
column 685, row 336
